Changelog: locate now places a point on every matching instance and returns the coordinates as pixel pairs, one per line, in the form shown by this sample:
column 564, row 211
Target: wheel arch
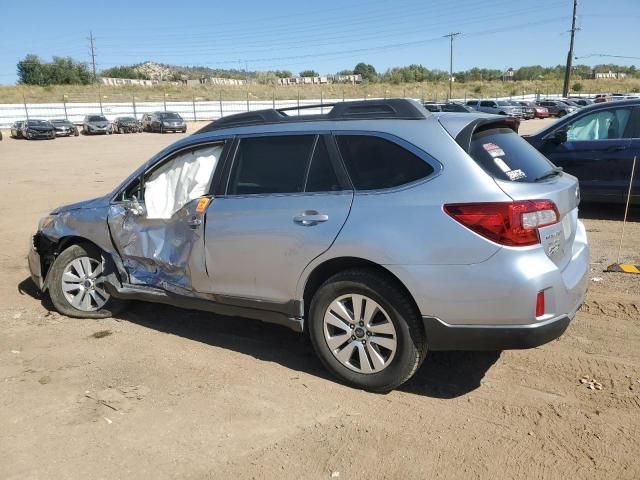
column 328, row 268
column 49, row 251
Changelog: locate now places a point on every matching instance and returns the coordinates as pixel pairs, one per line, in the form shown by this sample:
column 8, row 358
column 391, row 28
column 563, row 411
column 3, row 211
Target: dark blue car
column 597, row 144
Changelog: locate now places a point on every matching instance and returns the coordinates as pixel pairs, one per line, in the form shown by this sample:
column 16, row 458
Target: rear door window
column 503, row 154
column 375, row 163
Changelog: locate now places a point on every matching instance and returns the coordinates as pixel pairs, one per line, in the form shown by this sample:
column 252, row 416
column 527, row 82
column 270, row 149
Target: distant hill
column 161, row 71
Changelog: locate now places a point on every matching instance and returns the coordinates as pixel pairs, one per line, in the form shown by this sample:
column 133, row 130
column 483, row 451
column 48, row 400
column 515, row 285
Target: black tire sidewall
column 403, row 364
column 56, row 294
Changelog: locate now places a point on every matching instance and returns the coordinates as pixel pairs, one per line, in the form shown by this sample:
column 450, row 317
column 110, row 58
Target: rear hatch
column 523, row 173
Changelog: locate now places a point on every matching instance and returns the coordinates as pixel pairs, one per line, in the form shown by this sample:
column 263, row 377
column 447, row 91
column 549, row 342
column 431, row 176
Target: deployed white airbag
column 179, row 181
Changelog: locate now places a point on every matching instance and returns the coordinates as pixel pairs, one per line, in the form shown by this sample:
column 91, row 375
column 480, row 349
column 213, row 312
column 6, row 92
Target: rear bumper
column 442, row 336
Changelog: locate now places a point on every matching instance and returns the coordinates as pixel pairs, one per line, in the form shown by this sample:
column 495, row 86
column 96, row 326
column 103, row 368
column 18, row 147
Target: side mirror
column 135, row 207
column 559, row 137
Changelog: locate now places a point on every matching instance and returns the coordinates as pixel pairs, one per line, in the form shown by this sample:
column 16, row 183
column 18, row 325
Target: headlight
column 46, row 222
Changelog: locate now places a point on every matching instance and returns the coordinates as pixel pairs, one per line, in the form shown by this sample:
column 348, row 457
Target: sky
column 326, row 36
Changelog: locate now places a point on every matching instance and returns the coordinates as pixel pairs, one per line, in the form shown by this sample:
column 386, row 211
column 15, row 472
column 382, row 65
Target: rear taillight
column 513, row 224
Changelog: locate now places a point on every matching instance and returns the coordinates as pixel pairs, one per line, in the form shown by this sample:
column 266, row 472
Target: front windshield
column 127, row 119
column 503, row 103
column 59, row 120
column 38, row 123
column 97, row 118
column 170, row 116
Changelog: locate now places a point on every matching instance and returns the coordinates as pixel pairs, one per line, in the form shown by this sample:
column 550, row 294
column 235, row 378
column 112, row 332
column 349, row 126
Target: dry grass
column 426, row 91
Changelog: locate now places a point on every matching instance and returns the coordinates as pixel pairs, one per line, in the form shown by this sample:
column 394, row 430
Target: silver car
column 380, row 229
column 496, row 107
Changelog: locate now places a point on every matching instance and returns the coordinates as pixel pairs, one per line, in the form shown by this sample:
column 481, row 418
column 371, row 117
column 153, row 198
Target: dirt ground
column 166, row 393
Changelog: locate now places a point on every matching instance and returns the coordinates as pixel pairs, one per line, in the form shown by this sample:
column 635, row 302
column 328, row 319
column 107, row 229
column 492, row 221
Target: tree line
column 65, row 71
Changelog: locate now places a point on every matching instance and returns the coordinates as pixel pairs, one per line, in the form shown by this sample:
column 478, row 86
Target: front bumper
column 442, row 336
column 64, row 132
column 35, row 263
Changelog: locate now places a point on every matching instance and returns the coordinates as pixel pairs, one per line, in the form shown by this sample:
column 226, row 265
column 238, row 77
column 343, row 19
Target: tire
column 61, row 300
column 400, row 321
column 76, row 132
column 161, row 129
column 561, row 113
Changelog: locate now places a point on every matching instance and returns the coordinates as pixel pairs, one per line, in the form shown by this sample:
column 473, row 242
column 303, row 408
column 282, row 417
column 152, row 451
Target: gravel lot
column 167, row 393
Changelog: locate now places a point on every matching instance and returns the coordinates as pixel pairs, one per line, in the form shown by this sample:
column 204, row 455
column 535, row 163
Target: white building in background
column 117, row 82
column 609, row 75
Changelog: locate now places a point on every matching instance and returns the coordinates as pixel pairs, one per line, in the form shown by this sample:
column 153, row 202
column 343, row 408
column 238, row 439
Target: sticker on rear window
column 515, row 174
column 493, row 149
column 501, row 165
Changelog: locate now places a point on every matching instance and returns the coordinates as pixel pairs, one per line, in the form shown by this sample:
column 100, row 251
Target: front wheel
column 76, row 284
column 366, row 330
column 561, row 113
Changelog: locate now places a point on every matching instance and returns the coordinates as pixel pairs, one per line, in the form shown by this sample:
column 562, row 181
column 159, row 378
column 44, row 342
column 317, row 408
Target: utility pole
column 451, row 36
column 93, row 54
column 567, row 72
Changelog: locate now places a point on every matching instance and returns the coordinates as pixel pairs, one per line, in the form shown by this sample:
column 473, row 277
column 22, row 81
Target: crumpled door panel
column 157, row 252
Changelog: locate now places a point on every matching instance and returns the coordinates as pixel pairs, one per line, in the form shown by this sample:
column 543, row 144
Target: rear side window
column 375, row 163
column 503, row 154
column 266, row 165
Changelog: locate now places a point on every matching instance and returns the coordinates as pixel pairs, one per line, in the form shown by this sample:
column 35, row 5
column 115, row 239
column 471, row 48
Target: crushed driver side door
column 157, row 221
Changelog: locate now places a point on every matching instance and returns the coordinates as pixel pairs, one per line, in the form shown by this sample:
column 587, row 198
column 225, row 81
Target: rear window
column 503, row 154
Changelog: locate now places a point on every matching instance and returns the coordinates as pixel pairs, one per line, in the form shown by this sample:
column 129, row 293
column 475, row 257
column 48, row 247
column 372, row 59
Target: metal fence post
column 164, row 100
column 273, row 99
column 193, row 102
column 343, row 94
column 248, row 109
column 100, row 100
column 298, row 101
column 221, row 113
column 133, row 103
column 321, row 102
column 26, row 110
column 64, row 104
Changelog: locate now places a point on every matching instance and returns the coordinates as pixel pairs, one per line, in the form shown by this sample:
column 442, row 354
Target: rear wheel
column 76, row 284
column 561, row 113
column 366, row 330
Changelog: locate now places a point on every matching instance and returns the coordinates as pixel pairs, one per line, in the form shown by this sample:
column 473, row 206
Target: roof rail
column 393, row 108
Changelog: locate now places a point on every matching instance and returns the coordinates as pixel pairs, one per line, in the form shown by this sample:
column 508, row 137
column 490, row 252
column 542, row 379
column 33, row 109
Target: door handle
column 194, row 223
column 310, row 217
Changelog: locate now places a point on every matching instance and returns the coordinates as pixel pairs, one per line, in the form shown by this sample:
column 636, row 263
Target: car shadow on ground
column 606, row 211
column 444, row 375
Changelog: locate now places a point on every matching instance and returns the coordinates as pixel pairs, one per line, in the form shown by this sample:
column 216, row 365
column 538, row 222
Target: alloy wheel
column 83, row 284
column 360, row 333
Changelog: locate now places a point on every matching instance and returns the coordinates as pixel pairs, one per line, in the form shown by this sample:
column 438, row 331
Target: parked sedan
column 447, row 107
column 34, row 129
column 557, row 108
column 498, row 107
column 527, row 112
column 96, row 124
column 163, row 122
column 16, row 129
column 538, row 111
column 597, row 144
column 584, row 102
column 126, row 125
column 64, row 128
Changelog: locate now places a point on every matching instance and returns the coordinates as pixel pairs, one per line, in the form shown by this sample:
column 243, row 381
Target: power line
column 451, row 36
column 93, row 54
column 567, row 72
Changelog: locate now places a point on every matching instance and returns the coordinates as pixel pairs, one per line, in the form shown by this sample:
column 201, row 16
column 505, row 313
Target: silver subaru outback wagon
column 380, row 229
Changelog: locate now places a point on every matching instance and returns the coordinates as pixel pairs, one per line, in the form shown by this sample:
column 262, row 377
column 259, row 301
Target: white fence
column 189, row 110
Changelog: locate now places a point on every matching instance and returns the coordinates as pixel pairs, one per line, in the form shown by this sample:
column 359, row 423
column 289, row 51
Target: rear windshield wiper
column 551, row 173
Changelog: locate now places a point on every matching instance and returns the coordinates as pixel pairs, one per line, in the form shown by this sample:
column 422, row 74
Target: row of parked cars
column 162, row 122
column 523, row 109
